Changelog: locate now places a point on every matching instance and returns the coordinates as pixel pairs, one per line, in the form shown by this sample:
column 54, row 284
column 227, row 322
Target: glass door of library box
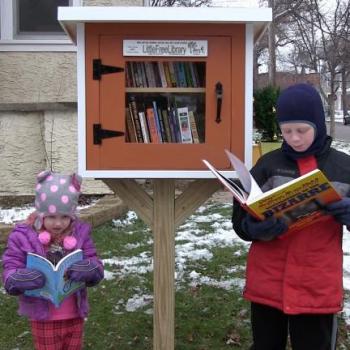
column 166, row 113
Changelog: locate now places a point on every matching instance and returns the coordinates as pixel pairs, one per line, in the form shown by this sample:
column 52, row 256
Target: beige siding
column 37, row 77
column 33, row 141
column 21, row 151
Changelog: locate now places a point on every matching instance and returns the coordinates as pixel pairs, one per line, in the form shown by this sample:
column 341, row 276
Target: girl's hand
column 24, row 279
column 87, row 271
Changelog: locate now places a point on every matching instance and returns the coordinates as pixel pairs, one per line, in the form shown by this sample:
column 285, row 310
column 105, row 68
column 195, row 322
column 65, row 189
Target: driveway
column 342, row 132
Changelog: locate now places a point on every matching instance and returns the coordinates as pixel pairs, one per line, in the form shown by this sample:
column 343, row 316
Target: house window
column 31, row 25
column 39, row 16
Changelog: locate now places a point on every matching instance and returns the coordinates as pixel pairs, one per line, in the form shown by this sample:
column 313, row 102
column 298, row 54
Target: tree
column 281, row 11
column 323, row 37
column 265, row 111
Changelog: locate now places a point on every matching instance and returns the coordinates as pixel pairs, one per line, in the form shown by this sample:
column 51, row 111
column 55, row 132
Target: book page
column 234, row 188
column 247, row 180
column 38, row 259
column 69, row 259
column 37, row 262
column 66, row 286
column 57, row 286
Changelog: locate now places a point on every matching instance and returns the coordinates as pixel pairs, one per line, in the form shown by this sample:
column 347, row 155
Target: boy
column 294, row 281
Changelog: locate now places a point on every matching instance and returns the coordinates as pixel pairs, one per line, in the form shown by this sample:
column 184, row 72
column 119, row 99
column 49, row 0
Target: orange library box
column 161, row 88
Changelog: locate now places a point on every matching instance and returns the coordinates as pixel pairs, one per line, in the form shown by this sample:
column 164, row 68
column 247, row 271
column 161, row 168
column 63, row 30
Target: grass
column 269, row 146
column 207, row 315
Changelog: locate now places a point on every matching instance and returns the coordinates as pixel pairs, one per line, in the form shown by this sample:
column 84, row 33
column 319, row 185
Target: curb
column 107, row 208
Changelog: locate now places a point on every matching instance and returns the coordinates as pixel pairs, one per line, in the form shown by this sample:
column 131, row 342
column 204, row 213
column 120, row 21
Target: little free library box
column 160, row 89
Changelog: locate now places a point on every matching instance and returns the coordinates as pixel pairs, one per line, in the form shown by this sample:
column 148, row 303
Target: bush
column 265, row 112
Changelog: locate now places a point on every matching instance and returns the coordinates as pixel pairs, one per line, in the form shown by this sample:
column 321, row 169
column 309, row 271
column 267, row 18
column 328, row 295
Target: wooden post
column 163, row 213
column 164, row 264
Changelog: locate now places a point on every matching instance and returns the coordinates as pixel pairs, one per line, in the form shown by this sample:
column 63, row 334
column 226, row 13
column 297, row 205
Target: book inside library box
column 156, row 113
column 172, row 111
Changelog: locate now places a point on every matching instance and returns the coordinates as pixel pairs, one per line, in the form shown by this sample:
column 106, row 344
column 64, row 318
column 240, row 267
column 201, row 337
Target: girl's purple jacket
column 24, row 239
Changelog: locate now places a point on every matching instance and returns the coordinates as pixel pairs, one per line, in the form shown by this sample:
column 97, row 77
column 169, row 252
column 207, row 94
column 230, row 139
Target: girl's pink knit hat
column 56, row 194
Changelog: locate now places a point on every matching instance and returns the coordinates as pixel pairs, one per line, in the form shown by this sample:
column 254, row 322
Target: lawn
column 269, row 146
column 210, row 312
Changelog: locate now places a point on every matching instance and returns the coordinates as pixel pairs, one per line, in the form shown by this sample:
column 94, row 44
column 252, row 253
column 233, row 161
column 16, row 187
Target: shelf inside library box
column 165, row 90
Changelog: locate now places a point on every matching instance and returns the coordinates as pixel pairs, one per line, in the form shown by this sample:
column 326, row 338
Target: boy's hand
column 24, row 279
column 340, row 210
column 265, row 230
column 87, row 271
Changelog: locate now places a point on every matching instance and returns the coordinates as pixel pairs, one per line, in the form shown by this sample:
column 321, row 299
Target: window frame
column 11, row 41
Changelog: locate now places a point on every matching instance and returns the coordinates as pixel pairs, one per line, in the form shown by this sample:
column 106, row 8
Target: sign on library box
column 176, row 48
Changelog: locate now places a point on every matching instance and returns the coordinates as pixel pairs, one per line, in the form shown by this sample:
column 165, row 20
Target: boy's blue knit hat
column 301, row 103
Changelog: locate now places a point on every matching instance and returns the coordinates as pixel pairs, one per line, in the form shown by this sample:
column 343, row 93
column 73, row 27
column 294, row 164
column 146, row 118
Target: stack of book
column 165, row 74
column 154, row 122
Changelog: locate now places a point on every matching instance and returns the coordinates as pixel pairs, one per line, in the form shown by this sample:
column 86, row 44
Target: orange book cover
column 130, row 126
column 152, row 125
column 299, row 201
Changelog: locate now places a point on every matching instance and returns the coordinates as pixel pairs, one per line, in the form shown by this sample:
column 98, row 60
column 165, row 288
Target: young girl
column 52, row 231
column 294, row 279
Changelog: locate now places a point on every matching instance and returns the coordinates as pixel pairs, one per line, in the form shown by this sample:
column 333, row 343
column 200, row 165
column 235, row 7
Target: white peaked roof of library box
column 69, row 17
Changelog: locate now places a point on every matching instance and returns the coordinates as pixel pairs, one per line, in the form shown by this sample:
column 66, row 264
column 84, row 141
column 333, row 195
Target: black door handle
column 219, row 92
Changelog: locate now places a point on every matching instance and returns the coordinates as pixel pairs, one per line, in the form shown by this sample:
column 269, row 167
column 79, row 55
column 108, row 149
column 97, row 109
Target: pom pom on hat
column 56, row 194
column 69, row 242
column 44, row 237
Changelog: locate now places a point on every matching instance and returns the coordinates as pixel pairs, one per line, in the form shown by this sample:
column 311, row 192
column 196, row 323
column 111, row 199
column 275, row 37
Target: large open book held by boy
column 299, row 201
column 57, row 286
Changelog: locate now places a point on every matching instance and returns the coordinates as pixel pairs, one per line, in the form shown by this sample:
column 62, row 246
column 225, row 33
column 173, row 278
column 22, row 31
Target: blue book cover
column 57, row 286
column 175, row 124
column 156, row 117
column 182, row 74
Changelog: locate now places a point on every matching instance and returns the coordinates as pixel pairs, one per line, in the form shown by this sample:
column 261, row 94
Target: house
column 38, row 94
column 285, row 79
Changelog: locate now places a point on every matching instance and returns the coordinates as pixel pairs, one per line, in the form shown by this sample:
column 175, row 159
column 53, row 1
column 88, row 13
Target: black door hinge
column 100, row 134
column 99, row 69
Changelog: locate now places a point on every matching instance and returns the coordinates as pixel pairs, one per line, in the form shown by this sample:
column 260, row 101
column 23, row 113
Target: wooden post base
column 163, row 213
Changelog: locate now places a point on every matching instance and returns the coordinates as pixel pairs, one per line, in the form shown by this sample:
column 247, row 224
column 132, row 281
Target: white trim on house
column 11, row 41
column 81, row 98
